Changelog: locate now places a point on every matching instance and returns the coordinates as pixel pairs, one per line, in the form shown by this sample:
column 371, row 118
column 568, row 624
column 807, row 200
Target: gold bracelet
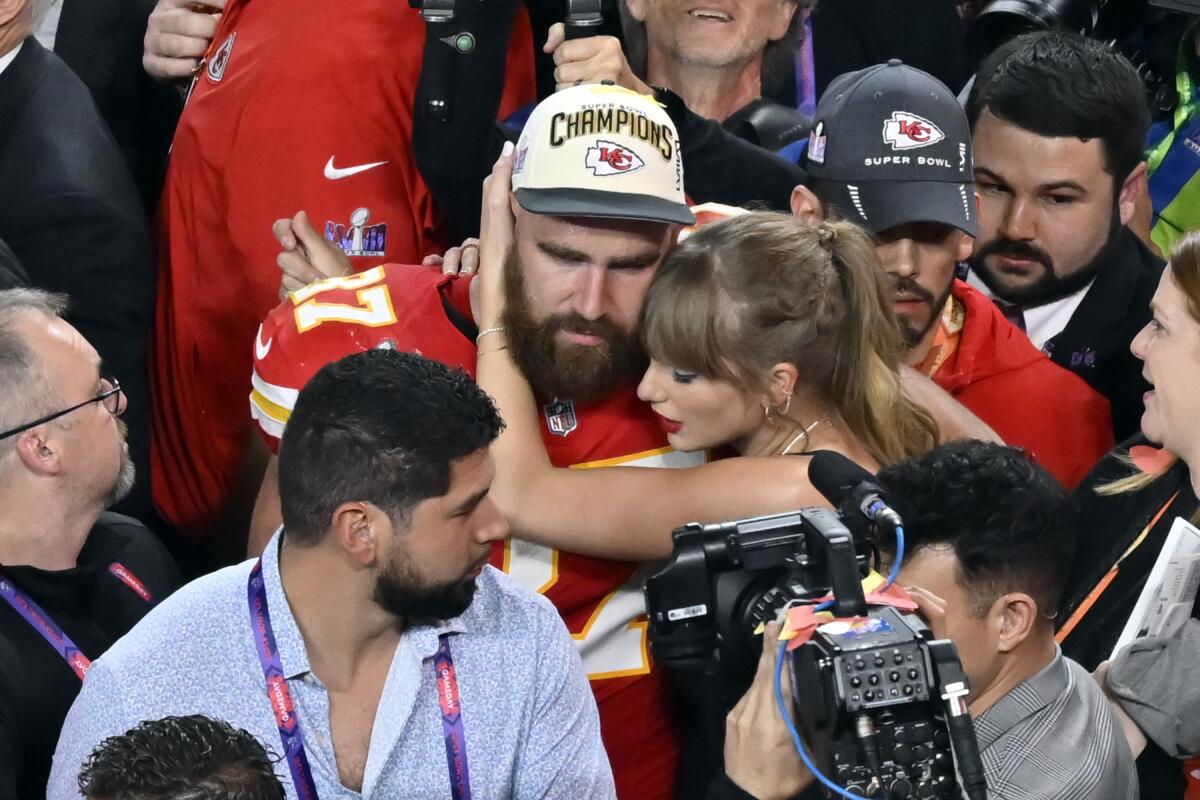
column 482, row 352
column 483, row 333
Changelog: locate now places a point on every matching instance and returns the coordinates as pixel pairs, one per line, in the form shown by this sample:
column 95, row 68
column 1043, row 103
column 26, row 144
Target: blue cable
column 787, row 720
column 899, row 558
column 782, row 704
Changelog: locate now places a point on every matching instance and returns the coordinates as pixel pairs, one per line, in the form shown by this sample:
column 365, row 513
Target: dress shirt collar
column 293, row 654
column 10, row 57
column 1042, row 322
column 1024, row 700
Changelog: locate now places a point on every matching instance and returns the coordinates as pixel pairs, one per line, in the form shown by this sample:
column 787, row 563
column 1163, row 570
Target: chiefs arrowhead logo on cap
column 610, row 158
column 905, row 131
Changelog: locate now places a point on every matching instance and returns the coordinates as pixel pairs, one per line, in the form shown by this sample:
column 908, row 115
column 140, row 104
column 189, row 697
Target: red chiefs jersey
column 301, row 104
column 396, row 306
column 600, row 600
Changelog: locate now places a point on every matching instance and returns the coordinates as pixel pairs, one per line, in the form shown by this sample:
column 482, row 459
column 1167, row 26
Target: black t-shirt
column 1109, row 526
column 94, row 608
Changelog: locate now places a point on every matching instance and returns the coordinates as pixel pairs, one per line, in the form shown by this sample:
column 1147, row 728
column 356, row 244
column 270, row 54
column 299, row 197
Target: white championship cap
column 599, row 150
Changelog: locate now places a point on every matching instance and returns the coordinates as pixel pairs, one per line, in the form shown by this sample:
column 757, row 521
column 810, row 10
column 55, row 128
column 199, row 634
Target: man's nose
column 590, row 294
column 1020, row 222
column 492, row 524
column 901, row 258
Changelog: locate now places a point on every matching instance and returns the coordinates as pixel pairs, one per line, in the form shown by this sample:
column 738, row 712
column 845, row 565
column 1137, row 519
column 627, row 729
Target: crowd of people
column 341, row 428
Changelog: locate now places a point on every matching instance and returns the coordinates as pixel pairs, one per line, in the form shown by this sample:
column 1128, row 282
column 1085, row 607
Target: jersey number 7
column 373, row 309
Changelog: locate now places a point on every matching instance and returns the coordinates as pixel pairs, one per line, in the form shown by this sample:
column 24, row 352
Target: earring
column 768, row 409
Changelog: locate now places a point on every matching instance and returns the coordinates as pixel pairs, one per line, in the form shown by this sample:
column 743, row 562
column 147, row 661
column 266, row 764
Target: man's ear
column 805, row 205
column 965, row 246
column 637, row 9
column 357, row 529
column 1135, row 191
column 40, row 450
column 784, row 12
column 1017, row 616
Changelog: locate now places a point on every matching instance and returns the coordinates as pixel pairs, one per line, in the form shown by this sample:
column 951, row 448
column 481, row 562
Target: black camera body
column 867, row 697
column 873, row 692
column 723, row 580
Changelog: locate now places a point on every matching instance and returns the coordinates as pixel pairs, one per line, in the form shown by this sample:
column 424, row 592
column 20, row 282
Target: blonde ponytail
column 866, row 384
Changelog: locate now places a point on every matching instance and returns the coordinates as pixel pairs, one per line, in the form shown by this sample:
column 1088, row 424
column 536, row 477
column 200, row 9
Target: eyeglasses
column 109, row 396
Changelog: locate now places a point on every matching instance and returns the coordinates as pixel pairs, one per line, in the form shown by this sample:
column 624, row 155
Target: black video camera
column 871, row 699
column 881, row 703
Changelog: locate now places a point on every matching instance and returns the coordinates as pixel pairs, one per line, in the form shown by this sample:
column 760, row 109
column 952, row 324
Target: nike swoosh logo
column 260, row 349
column 335, row 174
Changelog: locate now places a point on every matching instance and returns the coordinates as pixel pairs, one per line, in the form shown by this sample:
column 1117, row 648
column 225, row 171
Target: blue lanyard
column 287, row 719
column 452, row 725
column 51, row 631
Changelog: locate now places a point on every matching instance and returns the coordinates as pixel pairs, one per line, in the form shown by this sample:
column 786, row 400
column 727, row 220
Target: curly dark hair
column 1011, row 525
column 382, row 427
column 181, row 758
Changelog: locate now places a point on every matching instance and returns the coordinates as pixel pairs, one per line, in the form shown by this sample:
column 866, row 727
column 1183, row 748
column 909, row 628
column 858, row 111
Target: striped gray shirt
column 1054, row 737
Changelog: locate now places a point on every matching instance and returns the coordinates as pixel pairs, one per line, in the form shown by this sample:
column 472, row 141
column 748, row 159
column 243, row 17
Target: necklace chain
column 801, row 435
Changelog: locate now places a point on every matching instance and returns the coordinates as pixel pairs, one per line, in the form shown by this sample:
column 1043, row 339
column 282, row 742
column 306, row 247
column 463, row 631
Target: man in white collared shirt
column 371, row 644
column 1058, row 123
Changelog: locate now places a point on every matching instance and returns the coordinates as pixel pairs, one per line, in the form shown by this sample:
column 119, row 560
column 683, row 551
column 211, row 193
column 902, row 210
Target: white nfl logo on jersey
column 560, row 417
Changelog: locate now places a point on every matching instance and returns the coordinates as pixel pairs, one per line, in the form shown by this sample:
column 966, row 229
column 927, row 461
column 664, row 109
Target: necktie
column 1012, row 313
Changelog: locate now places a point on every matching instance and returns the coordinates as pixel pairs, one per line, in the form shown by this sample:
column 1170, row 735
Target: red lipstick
column 667, row 424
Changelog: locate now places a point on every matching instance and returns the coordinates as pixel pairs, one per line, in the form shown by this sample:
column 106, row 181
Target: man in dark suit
column 1057, row 126
column 101, row 41
column 72, row 216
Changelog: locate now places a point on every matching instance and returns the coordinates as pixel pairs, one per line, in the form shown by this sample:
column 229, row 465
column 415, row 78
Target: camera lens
column 1001, row 20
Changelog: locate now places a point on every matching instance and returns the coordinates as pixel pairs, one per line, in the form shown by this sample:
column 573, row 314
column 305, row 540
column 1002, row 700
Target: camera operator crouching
column 989, row 539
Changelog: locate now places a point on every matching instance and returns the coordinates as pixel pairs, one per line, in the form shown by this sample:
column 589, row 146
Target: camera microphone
column 848, row 486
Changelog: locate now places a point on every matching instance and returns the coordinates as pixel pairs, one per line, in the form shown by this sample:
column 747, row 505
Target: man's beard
column 400, row 591
column 126, row 474
column 1050, row 286
column 562, row 370
column 911, row 334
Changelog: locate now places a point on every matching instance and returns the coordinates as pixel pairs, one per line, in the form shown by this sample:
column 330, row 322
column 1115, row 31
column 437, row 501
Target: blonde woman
column 767, row 335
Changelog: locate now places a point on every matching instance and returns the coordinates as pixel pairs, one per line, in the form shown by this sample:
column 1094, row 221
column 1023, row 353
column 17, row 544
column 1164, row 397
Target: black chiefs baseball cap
column 890, row 145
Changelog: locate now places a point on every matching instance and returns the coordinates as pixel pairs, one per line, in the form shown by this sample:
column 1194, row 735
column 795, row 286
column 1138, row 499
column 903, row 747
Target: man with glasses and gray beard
column 73, row 577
